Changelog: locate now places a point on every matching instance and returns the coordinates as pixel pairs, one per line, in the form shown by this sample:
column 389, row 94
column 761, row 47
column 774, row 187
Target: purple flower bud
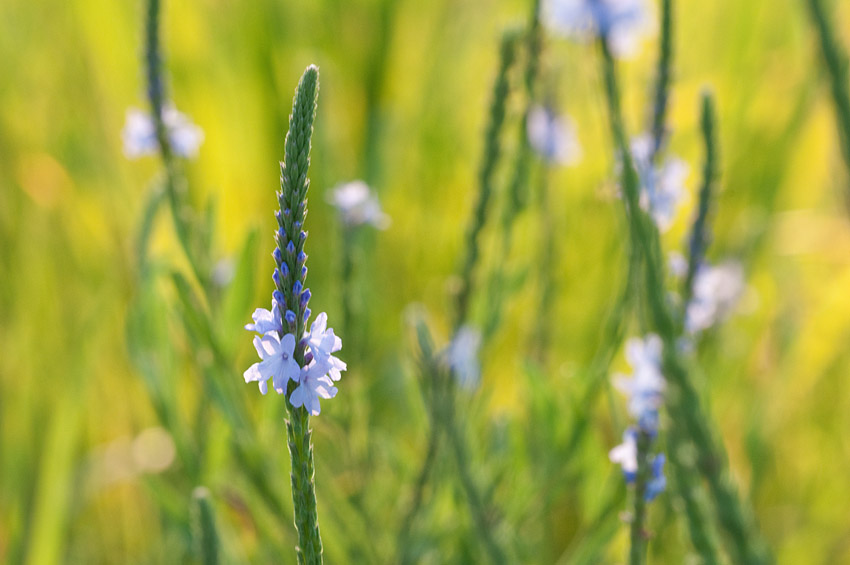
column 277, row 216
column 290, row 317
column 281, row 238
column 290, row 248
column 303, row 236
column 278, row 297
column 276, row 277
column 296, row 288
column 306, row 314
column 278, row 256
column 284, row 270
column 302, row 258
column 297, row 225
column 304, row 272
column 287, row 212
column 308, row 357
column 305, row 298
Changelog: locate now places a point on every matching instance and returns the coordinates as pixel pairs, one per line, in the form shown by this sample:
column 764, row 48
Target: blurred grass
column 404, row 94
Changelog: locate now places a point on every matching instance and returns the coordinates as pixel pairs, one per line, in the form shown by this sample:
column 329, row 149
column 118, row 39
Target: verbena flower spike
column 299, row 363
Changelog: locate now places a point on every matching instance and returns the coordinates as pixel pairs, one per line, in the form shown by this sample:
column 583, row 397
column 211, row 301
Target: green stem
column 836, row 64
column 662, row 80
column 174, row 182
column 637, row 534
column 298, row 432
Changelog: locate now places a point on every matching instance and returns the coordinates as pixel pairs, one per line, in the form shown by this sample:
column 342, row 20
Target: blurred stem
column 517, row 189
column 686, row 480
column 492, row 154
column 476, row 502
column 543, row 329
column 637, row 535
column 745, row 542
column 174, row 183
column 347, row 281
column 699, row 238
column 662, row 80
column 203, row 527
column 836, row 64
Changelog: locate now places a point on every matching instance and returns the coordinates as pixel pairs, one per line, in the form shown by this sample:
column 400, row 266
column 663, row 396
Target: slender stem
column 699, row 238
column 662, row 80
column 637, row 535
column 492, row 154
column 836, row 63
column 174, row 183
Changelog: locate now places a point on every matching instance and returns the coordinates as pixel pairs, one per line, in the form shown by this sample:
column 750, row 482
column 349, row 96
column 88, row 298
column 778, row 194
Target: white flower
column 623, row 22
column 462, row 357
column 358, row 205
column 266, row 321
column 315, row 384
column 553, row 137
column 645, row 388
column 277, row 362
column 662, row 187
column 626, row 454
column 323, row 342
column 139, row 133
column 716, row 291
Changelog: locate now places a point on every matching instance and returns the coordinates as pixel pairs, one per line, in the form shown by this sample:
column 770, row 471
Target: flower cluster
column 716, row 291
column 139, row 134
column 315, row 379
column 358, row 205
column 553, row 137
column 645, row 392
column 662, row 186
column 623, row 23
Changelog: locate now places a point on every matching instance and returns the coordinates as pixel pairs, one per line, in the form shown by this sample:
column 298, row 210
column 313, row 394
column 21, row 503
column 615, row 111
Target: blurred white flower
column 662, row 187
column 678, row 264
column 716, row 291
column 358, row 205
column 623, row 22
column 625, row 454
column 553, row 137
column 462, row 357
column 645, row 387
column 139, row 133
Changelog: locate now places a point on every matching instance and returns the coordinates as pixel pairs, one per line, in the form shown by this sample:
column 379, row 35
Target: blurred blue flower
column 657, row 482
column 645, row 387
column 358, row 205
column 624, row 23
column 139, row 134
column 662, row 186
column 277, row 362
column 553, row 137
column 716, row 291
column 462, row 357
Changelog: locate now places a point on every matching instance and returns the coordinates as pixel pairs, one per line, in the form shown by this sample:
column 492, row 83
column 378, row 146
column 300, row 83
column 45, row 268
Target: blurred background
column 112, row 412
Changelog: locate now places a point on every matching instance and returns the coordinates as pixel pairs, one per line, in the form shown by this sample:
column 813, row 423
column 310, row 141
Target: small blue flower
column 323, row 342
column 662, row 186
column 626, row 454
column 277, row 362
column 314, row 384
column 645, row 387
column 716, row 291
column 266, row 321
